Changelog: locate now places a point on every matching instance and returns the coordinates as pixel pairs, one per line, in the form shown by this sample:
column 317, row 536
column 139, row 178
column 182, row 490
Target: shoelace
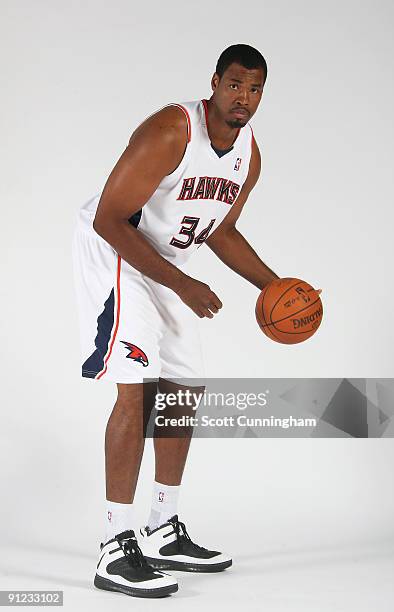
column 133, row 553
column 184, row 536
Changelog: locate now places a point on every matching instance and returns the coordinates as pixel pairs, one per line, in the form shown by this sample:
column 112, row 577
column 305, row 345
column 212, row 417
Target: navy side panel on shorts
column 105, row 322
column 136, row 218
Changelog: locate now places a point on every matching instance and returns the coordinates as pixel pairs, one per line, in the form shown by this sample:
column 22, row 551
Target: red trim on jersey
column 116, row 322
column 189, row 124
column 205, row 105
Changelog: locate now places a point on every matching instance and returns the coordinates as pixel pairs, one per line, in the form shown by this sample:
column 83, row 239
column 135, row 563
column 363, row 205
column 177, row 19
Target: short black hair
column 245, row 55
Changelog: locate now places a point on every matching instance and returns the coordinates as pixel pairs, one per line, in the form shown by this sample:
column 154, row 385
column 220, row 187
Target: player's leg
column 124, row 445
column 171, row 444
column 182, row 370
column 166, row 543
column 122, row 566
column 133, row 358
column 117, row 345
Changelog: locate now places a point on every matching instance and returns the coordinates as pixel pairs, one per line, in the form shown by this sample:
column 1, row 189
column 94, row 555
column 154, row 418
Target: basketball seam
column 282, row 294
column 262, row 310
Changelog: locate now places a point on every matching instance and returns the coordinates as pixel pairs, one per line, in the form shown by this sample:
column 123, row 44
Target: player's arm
column 155, row 149
column 229, row 244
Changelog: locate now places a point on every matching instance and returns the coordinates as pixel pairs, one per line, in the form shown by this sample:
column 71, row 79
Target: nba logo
column 110, row 516
column 237, row 163
column 161, row 496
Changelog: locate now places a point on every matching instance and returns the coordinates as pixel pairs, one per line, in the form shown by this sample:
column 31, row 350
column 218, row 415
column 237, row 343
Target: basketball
column 289, row 310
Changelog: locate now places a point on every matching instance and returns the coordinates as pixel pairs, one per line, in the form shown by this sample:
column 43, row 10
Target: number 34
column 190, row 232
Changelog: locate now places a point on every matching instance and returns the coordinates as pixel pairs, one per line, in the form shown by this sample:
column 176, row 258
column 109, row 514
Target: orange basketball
column 289, row 310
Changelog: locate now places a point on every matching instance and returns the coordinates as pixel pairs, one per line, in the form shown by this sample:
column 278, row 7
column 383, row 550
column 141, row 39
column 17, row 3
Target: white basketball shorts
column 131, row 327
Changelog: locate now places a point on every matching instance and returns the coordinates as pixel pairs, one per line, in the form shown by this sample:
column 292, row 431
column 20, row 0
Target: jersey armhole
column 252, row 138
column 189, row 124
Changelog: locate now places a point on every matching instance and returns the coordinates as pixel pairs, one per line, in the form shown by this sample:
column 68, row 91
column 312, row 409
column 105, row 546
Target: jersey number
column 190, row 232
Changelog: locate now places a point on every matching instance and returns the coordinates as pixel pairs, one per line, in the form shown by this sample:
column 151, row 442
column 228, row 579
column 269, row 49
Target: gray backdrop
column 77, row 79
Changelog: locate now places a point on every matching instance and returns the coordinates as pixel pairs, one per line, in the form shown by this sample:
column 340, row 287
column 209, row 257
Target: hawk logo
column 136, row 353
column 237, row 163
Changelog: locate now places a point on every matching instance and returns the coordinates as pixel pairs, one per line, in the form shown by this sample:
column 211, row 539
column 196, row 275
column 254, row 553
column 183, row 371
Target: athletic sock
column 164, row 504
column 119, row 517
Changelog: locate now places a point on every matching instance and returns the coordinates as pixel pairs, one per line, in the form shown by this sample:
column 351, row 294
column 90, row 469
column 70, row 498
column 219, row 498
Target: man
column 182, row 181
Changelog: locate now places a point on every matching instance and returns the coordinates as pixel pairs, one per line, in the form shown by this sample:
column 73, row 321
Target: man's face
column 238, row 93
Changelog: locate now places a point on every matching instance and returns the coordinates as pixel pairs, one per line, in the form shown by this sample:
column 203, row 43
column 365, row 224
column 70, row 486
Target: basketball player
column 183, row 180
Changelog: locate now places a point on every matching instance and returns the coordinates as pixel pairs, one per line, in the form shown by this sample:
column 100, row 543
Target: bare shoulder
column 168, row 124
column 161, row 139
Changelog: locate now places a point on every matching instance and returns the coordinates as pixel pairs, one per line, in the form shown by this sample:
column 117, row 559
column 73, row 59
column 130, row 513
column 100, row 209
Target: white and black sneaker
column 122, row 567
column 170, row 547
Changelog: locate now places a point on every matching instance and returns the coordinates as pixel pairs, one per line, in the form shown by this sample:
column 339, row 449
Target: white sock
column 119, row 517
column 164, row 504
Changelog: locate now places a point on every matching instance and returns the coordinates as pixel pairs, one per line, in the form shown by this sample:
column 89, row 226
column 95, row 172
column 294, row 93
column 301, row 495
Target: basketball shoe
column 122, row 568
column 170, row 547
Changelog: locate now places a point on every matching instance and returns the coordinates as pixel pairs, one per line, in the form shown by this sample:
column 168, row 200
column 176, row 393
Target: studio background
column 77, row 80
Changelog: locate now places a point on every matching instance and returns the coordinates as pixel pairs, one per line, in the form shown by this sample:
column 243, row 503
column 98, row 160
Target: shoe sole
column 108, row 585
column 188, row 567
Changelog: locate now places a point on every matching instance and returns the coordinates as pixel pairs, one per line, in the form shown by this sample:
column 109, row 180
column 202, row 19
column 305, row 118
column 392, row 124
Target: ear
column 215, row 81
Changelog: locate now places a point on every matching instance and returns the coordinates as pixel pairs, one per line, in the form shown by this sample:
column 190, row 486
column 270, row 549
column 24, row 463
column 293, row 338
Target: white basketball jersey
column 192, row 201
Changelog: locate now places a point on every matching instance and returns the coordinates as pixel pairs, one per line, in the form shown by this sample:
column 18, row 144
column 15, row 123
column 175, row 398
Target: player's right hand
column 199, row 297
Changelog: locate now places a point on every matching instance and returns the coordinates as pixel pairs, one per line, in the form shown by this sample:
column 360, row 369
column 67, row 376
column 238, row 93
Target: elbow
column 98, row 226
column 108, row 228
